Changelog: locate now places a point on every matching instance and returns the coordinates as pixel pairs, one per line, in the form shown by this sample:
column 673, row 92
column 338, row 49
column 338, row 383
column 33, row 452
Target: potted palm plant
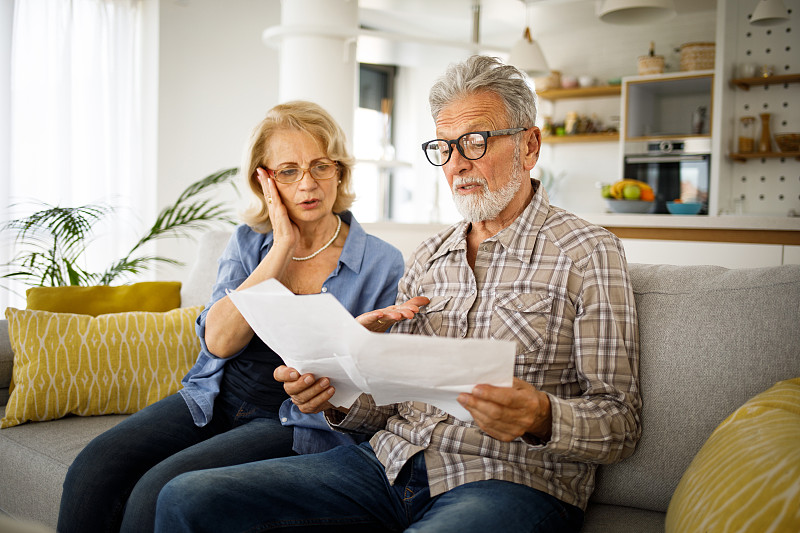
column 51, row 242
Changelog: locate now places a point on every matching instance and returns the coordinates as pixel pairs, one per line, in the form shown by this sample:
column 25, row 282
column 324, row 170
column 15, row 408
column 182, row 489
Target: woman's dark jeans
column 114, row 482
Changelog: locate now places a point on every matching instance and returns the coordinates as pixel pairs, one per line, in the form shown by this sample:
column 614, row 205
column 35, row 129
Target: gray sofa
column 711, row 338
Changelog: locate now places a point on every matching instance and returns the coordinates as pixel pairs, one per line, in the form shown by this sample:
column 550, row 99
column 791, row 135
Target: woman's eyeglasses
column 291, row 174
column 471, row 145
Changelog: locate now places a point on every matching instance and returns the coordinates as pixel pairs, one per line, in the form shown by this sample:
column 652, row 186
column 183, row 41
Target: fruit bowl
column 684, row 208
column 629, row 206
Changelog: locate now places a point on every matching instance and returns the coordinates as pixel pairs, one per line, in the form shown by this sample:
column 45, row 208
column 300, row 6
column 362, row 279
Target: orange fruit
column 647, row 195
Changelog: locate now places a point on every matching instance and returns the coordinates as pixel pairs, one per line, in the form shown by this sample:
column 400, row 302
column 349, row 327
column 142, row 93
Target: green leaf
column 52, row 241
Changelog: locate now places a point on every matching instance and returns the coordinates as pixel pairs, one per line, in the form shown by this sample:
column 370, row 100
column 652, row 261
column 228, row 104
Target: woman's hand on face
column 309, row 394
column 283, row 229
column 382, row 319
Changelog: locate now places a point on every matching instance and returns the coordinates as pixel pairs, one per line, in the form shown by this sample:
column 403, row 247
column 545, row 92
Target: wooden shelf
column 581, row 138
column 746, row 83
column 581, row 92
column 670, row 136
column 763, row 155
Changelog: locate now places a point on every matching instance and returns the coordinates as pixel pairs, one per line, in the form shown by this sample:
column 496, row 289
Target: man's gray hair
column 481, row 73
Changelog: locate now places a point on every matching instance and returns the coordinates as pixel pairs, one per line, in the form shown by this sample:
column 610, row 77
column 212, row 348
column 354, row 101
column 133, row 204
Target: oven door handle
column 665, row 159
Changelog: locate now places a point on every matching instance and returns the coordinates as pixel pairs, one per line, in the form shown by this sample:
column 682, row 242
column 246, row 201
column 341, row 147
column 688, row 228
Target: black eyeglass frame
column 484, row 134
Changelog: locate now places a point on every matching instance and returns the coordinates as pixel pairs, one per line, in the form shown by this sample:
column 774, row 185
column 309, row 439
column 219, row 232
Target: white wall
column 216, row 81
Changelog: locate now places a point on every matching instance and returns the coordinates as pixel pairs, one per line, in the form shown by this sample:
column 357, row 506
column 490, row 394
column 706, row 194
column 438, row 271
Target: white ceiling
column 501, row 21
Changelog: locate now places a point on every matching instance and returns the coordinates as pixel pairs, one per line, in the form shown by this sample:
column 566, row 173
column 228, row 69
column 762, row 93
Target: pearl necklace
column 315, row 254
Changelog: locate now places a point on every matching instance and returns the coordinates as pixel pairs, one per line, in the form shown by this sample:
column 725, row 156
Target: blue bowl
column 684, row 208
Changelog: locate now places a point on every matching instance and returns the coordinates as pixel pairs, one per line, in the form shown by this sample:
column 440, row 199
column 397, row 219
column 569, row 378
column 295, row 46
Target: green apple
column 631, row 192
column 606, row 191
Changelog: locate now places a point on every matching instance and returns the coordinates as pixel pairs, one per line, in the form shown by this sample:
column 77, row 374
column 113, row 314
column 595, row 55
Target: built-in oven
column 675, row 169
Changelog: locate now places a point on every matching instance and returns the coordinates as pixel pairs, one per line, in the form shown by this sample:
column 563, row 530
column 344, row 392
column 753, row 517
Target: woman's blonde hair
column 302, row 116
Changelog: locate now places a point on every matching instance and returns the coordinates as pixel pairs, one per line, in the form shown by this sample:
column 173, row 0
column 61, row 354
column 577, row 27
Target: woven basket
column 697, row 56
column 651, row 65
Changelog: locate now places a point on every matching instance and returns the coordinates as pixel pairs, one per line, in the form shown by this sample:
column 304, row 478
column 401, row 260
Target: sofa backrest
column 710, row 338
column 196, row 289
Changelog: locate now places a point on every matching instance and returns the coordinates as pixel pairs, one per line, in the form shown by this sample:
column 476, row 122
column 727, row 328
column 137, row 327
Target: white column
column 317, row 40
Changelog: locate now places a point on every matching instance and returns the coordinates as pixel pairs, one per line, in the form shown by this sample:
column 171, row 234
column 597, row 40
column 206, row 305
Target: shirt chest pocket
column 431, row 316
column 522, row 318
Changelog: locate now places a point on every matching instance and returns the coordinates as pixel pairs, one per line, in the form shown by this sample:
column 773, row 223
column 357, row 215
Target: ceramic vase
column 765, row 142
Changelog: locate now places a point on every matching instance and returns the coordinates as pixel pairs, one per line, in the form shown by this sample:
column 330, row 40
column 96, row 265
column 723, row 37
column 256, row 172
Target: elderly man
column 515, row 268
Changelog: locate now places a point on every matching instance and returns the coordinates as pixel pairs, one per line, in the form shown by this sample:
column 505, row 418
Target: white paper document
column 315, row 333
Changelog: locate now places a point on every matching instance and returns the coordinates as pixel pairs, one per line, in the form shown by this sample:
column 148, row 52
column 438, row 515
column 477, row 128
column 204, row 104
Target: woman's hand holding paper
column 309, row 394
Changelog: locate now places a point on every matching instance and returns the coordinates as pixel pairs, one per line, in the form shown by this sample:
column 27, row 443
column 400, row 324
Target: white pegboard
column 768, row 186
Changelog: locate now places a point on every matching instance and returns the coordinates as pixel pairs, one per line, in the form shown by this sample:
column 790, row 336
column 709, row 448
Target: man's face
column 483, row 187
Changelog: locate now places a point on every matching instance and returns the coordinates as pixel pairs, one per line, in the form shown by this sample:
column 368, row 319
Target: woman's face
column 307, row 200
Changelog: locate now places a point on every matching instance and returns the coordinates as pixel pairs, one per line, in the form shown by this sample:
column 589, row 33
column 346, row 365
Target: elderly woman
column 231, row 409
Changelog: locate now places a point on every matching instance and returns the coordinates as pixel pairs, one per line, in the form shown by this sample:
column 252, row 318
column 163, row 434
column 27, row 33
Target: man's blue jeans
column 114, row 482
column 345, row 489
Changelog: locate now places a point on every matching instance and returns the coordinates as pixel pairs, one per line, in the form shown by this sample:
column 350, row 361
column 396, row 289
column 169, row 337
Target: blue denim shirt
column 365, row 279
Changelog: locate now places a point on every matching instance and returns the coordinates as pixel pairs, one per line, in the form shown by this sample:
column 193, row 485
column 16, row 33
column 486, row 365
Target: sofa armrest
column 6, row 361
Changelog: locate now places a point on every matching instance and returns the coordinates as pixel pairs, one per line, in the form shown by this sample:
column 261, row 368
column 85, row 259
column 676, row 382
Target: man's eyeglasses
column 318, row 171
column 471, row 145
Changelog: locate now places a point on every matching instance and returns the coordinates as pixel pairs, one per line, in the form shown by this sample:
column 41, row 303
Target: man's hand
column 309, row 394
column 506, row 413
column 380, row 320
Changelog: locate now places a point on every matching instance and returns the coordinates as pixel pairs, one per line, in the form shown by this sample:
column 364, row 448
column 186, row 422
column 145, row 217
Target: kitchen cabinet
column 666, row 105
column 581, row 93
column 728, row 255
column 732, row 242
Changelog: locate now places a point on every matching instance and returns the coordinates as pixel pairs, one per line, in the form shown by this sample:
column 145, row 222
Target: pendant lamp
column 636, row 11
column 769, row 12
column 527, row 56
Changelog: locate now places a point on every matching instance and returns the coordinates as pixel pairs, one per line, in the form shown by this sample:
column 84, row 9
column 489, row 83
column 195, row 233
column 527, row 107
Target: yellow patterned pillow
column 745, row 477
column 111, row 364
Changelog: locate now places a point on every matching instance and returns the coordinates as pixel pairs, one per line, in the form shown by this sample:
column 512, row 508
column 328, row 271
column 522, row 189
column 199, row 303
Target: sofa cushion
column 114, row 363
column 745, row 477
column 710, row 339
column 34, row 462
column 197, row 288
column 154, row 296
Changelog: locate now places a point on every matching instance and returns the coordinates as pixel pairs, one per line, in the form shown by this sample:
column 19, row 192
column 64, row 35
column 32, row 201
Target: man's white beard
column 486, row 204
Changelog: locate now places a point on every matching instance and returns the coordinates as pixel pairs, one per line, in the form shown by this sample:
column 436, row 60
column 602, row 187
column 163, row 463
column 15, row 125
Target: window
column 76, row 133
column 373, row 143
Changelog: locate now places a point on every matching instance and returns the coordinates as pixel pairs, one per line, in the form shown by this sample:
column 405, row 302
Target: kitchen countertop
column 725, row 228
column 742, row 222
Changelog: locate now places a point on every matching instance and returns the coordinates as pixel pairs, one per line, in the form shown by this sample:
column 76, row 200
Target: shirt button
column 284, row 419
column 324, row 289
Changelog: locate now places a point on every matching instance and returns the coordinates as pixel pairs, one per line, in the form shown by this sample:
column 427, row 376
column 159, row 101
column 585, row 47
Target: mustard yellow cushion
column 154, row 296
column 746, row 477
column 114, row 363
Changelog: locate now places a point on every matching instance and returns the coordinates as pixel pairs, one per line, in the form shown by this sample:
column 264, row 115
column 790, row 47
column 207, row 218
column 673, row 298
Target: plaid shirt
column 557, row 286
